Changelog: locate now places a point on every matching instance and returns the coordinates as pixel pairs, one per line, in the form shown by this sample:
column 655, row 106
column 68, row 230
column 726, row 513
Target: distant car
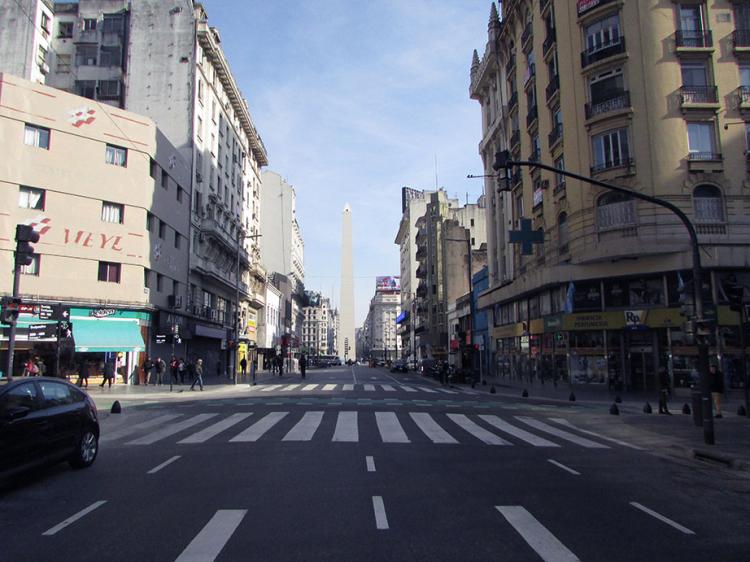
column 46, row 420
column 399, row 367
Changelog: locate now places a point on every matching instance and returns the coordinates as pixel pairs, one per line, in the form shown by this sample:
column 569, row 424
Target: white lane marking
column 169, row 430
column 408, row 388
column 546, row 428
column 162, row 465
column 544, row 543
column 663, row 519
column 370, row 464
column 517, row 432
column 347, row 429
column 430, row 428
column 271, row 387
column 389, row 428
column 213, row 430
column 566, row 423
column 139, row 427
column 354, row 375
column 256, row 431
column 73, row 518
column 381, row 521
column 387, row 388
column 309, row 387
column 207, row 544
column 567, row 469
column 390, row 377
column 477, row 431
column 329, row 387
column 425, row 389
column 369, row 387
column 446, row 391
column 348, row 387
column 305, row 428
column 290, row 387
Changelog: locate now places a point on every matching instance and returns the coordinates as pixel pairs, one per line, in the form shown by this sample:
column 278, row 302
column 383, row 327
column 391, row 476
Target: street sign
column 161, row 338
column 42, row 331
column 53, row 312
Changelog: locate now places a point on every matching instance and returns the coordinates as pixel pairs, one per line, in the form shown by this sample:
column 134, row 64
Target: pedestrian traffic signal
column 25, row 237
column 9, row 311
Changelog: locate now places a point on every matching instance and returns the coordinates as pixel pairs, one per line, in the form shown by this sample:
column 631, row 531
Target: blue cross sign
column 527, row 237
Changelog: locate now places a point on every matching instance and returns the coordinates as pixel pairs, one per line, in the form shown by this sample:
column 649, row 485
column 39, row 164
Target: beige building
column 652, row 96
column 382, row 335
column 110, row 198
column 315, row 325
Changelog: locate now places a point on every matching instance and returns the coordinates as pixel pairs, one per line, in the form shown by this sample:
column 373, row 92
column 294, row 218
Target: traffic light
column 9, row 310
column 687, row 299
column 25, row 237
column 734, row 292
column 704, row 331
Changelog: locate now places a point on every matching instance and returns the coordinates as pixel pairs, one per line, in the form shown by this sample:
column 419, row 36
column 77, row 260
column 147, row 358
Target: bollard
column 741, row 411
column 525, row 393
column 614, row 410
column 492, row 389
column 647, row 408
column 116, row 408
column 572, row 397
column 686, row 409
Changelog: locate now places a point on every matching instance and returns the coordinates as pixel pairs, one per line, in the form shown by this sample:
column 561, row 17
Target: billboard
column 389, row 284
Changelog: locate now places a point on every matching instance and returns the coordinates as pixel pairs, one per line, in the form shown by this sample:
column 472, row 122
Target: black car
column 399, row 366
column 45, row 420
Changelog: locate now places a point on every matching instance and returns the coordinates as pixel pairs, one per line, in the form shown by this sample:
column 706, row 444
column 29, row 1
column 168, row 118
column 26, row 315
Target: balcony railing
column 743, row 92
column 704, row 156
column 613, row 102
column 526, row 35
column 552, row 87
column 555, row 135
column 535, row 156
column 532, row 116
column 511, row 65
column 623, row 162
column 693, row 39
column 515, row 179
column 515, row 138
column 559, row 188
column 606, row 50
column 741, row 38
column 699, row 94
column 513, row 101
column 549, row 41
column 530, row 73
column 616, row 215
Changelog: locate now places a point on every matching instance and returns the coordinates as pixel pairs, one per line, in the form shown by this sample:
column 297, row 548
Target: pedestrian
column 198, row 375
column 716, row 382
column 254, row 369
column 160, row 367
column 148, row 366
column 280, row 361
column 109, row 373
column 182, row 369
column 273, row 362
column 663, row 391
column 40, row 366
column 174, row 368
column 83, row 375
column 29, row 368
column 243, row 367
column 302, row 364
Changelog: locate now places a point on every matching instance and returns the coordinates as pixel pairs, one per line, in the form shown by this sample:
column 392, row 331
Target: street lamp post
column 503, row 161
column 242, row 237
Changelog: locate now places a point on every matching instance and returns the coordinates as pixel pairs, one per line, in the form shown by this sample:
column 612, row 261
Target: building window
column 153, row 167
column 108, row 90
column 85, row 88
column 610, row 149
column 615, row 210
column 179, row 194
column 200, row 91
column 563, row 232
column 603, row 33
column 31, row 198
column 146, row 277
column 177, row 240
column 559, row 178
column 113, row 23
column 86, row 55
column 116, row 155
column 89, row 24
column 65, row 30
column 36, row 136
column 162, row 229
column 702, row 141
column 159, row 282
column 694, row 74
column 691, row 18
column 45, row 24
column 41, row 58
column 707, row 203
column 606, row 85
column 112, row 212
column 199, row 129
column 164, row 179
column 33, row 267
column 63, row 63
column 109, row 272
column 110, row 56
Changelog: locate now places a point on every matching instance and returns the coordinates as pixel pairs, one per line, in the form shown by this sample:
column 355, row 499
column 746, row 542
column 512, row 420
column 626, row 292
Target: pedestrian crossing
column 389, row 427
column 367, row 387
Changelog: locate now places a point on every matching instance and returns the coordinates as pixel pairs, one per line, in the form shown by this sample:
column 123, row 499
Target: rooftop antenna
column 436, row 173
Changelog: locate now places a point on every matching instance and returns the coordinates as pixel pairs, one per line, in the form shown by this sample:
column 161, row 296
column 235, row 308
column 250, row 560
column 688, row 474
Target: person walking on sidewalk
column 243, row 367
column 174, row 369
column 160, row 367
column 254, row 369
column 663, row 391
column 198, row 375
column 109, row 373
column 302, row 364
column 716, row 381
column 182, row 369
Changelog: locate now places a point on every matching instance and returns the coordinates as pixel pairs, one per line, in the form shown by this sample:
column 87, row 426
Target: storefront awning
column 107, row 335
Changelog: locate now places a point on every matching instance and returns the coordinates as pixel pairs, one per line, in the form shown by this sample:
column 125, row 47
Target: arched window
column 563, row 232
column 615, row 210
column 707, row 204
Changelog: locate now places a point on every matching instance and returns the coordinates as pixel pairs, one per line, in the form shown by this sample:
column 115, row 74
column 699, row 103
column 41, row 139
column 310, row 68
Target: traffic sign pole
column 13, row 322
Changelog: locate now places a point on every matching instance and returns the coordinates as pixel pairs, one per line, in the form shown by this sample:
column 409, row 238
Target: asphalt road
column 399, row 470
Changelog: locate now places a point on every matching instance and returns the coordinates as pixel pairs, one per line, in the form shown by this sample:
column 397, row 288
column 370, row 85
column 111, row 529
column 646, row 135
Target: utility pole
column 242, row 237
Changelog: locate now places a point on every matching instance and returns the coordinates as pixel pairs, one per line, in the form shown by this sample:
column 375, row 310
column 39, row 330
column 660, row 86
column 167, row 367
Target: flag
column 569, row 298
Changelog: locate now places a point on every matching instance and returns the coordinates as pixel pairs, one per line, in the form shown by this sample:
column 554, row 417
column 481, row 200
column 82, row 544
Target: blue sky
column 354, row 100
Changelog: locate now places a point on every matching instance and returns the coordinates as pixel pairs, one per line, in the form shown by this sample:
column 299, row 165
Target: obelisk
column 347, row 347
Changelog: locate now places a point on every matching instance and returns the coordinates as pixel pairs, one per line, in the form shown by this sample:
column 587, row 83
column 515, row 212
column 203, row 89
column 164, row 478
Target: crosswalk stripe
column 566, row 423
column 271, row 387
column 425, row 389
column 369, row 387
column 290, row 387
column 479, row 432
column 305, row 428
column 171, row 430
column 139, row 427
column 430, row 428
column 256, row 431
column 387, row 388
column 536, row 535
column 390, row 429
column 446, row 391
column 329, row 387
column 521, row 434
column 348, row 387
column 347, row 429
column 213, row 430
column 207, row 544
column 541, row 426
column 309, row 387
column 73, row 518
column 408, row 388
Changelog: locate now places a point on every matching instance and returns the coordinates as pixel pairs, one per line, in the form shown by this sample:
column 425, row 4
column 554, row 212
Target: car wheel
column 85, row 453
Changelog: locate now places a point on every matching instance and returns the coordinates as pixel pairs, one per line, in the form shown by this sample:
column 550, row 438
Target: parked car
column 399, row 366
column 46, row 420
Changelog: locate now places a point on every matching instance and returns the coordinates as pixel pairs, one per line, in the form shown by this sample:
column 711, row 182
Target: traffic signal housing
column 25, row 237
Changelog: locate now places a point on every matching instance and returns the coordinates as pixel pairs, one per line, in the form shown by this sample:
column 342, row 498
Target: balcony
column 559, row 189
column 555, row 136
column 526, row 35
column 741, row 41
column 511, row 65
column 743, row 97
column 613, row 102
column 701, row 97
column 211, row 227
column 532, row 116
column 693, row 39
column 530, row 73
column 515, row 179
column 549, row 41
column 421, row 271
column 614, row 163
column 513, row 101
column 705, row 162
column 515, row 138
column 603, row 51
column 585, row 6
column 535, row 156
column 553, row 87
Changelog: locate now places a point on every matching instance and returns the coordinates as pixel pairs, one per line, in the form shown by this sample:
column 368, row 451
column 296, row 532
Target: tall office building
column 346, row 336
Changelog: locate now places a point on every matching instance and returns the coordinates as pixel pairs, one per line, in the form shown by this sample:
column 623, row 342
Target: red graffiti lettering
column 116, row 244
column 87, row 241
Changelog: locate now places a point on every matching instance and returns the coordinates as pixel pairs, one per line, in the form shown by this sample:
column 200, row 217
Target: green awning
column 107, row 335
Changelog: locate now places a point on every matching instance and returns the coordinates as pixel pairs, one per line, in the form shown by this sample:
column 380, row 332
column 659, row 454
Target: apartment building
column 110, row 197
column 315, row 326
column 25, row 37
column 385, row 306
column 651, row 96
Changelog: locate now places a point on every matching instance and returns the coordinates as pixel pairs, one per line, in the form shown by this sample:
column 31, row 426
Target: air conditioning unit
column 44, row 67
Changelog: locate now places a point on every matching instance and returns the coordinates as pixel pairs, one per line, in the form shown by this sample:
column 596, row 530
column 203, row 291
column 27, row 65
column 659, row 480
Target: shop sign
column 636, row 319
column 586, row 5
column 102, row 312
column 525, row 343
column 552, row 323
column 588, row 322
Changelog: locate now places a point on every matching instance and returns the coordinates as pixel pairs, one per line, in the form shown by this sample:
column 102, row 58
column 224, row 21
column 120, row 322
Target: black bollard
column 647, row 408
column 525, row 393
column 492, row 389
column 572, row 397
column 116, row 408
column 741, row 411
column 614, row 410
column 686, row 409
